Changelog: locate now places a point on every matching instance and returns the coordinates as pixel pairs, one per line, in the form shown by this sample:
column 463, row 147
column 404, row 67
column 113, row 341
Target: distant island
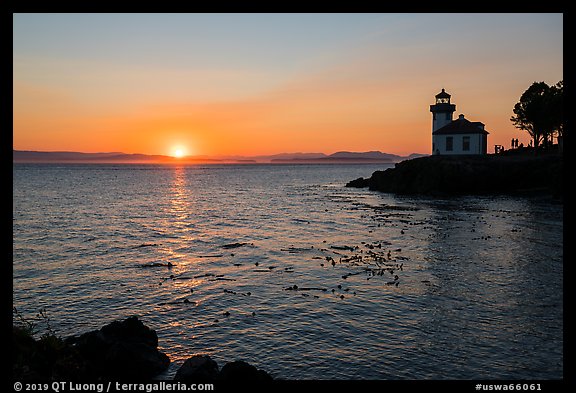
column 27, row 156
column 350, row 157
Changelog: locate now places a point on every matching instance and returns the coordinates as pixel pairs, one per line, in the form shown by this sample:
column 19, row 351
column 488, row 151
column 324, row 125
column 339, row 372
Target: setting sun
column 179, row 152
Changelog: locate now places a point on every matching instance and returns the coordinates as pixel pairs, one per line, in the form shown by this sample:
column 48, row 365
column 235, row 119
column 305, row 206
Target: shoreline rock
column 198, row 368
column 125, row 348
column 201, row 368
column 122, row 350
column 476, row 175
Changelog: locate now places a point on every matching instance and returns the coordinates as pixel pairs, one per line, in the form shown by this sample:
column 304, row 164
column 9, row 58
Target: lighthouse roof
column 443, row 94
column 461, row 126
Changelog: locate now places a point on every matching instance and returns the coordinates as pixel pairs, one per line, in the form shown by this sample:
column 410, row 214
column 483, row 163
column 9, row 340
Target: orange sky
column 361, row 91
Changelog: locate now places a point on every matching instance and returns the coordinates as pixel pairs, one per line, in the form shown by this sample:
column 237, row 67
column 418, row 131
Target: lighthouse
column 455, row 137
column 442, row 111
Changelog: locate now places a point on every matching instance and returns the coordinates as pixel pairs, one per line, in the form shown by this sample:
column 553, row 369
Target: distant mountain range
column 346, row 156
column 26, row 156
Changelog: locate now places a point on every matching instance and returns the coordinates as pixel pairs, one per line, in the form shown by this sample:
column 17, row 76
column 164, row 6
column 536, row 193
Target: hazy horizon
column 217, row 155
column 34, row 156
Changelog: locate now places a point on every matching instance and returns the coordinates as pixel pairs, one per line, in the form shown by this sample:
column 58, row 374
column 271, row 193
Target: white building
column 459, row 136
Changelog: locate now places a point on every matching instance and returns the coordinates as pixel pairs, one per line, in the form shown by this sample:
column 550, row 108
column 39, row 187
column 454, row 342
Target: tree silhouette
column 531, row 112
column 556, row 106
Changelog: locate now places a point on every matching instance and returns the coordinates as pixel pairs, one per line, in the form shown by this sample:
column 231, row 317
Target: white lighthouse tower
column 442, row 111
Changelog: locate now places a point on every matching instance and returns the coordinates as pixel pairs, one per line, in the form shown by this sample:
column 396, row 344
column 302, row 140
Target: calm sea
column 284, row 267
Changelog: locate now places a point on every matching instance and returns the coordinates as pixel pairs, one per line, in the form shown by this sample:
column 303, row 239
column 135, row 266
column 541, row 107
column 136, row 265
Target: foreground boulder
column 124, row 349
column 121, row 350
column 201, row 368
column 241, row 371
column 198, row 368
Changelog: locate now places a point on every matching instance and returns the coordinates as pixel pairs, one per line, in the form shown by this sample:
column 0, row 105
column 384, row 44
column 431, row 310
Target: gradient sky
column 248, row 84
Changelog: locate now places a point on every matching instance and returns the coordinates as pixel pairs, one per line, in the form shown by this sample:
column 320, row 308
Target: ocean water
column 284, row 267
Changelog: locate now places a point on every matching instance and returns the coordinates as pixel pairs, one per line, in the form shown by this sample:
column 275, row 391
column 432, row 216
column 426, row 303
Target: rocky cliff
column 488, row 174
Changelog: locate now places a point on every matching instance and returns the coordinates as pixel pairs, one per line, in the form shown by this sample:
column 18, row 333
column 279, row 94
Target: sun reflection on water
column 179, row 201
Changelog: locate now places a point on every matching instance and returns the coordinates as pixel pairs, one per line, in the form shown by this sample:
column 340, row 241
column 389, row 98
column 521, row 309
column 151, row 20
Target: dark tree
column 556, row 107
column 531, row 112
column 540, row 112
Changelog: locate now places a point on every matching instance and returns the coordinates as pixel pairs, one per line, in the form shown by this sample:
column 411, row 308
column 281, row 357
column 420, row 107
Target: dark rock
column 239, row 371
column 198, row 368
column 129, row 330
column 125, row 348
column 486, row 174
column 122, row 350
column 358, row 183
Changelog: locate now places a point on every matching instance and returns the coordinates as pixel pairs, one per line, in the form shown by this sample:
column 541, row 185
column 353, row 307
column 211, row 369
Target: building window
column 466, row 143
column 449, row 143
